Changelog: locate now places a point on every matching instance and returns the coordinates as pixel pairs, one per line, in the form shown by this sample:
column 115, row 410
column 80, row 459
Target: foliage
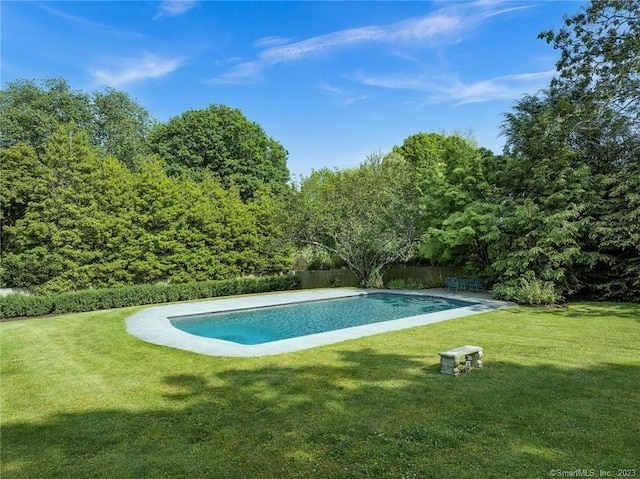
column 21, row 305
column 549, row 184
column 507, row 291
column 22, row 180
column 617, row 232
column 599, row 76
column 82, row 206
column 560, row 208
column 548, row 187
column 102, row 225
column 32, row 111
column 402, row 284
column 537, row 292
column 314, row 258
column 119, row 125
column 459, row 221
column 366, row 216
column 221, row 140
column 599, row 53
column 527, row 290
column 374, row 280
column 562, row 180
column 42, row 243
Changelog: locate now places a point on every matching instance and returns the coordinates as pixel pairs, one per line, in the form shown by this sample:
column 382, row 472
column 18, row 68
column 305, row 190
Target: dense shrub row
column 19, row 305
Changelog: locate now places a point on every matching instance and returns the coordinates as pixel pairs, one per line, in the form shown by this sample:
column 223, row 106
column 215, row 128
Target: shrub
column 402, row 284
column 537, row 292
column 506, row 292
column 375, row 280
column 527, row 290
column 19, row 305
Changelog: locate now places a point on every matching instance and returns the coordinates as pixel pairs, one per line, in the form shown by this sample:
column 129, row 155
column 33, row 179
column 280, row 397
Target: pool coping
column 153, row 324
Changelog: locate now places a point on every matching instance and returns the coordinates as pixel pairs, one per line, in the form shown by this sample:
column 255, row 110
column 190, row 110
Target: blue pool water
column 263, row 325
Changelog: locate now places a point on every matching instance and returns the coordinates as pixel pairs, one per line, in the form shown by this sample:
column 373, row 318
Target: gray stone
column 450, row 360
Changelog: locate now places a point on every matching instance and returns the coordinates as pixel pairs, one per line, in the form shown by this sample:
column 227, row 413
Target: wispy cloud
column 415, row 29
column 507, row 87
column 132, row 70
column 344, row 98
column 440, row 26
column 267, row 42
column 174, row 8
column 87, row 23
column 452, row 89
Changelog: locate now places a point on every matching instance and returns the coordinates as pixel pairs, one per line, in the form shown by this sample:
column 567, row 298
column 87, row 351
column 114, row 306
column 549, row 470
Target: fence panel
column 430, row 276
column 331, row 278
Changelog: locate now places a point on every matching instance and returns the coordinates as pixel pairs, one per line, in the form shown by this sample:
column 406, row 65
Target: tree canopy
column 457, row 217
column 599, row 49
column 560, row 207
column 85, row 201
column 223, row 141
column 367, row 216
column 31, row 111
column 89, row 221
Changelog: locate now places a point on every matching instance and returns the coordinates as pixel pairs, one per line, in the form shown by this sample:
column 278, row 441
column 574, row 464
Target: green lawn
column 560, row 390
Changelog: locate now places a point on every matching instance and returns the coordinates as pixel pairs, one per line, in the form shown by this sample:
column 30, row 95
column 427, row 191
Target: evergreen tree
column 22, row 180
column 51, row 241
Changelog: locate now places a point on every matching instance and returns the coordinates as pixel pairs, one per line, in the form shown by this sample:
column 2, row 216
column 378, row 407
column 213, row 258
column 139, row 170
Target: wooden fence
column 430, row 276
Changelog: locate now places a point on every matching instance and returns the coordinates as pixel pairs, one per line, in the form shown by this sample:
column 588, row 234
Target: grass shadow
column 365, row 415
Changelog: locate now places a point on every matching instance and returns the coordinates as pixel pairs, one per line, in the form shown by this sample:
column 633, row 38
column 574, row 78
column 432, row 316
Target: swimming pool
column 274, row 323
column 154, row 324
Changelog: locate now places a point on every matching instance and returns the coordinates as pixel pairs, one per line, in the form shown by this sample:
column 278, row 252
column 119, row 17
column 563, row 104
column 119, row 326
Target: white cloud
column 174, row 8
column 341, row 96
column 88, row 23
column 132, row 70
column 502, row 87
column 242, row 73
column 451, row 89
column 440, row 26
column 270, row 42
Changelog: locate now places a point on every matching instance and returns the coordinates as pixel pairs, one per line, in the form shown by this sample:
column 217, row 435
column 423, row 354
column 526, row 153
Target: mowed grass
column 81, row 398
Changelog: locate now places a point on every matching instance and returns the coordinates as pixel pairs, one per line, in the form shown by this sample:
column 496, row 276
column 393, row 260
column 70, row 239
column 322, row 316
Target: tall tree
column 617, row 233
column 569, row 210
column 546, row 186
column 458, row 217
column 53, row 236
column 119, row 125
column 599, row 49
column 22, row 180
column 367, row 216
column 237, row 151
column 101, row 224
column 32, row 111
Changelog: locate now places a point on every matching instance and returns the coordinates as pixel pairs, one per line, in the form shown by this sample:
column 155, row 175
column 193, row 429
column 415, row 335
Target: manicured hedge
column 20, row 305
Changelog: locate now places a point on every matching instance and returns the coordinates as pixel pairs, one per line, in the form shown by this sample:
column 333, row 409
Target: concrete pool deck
column 153, row 324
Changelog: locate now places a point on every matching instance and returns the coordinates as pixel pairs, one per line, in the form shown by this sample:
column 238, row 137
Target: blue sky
column 332, row 81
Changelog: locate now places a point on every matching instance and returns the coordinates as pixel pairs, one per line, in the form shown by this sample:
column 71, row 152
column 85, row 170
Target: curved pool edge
column 153, row 324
